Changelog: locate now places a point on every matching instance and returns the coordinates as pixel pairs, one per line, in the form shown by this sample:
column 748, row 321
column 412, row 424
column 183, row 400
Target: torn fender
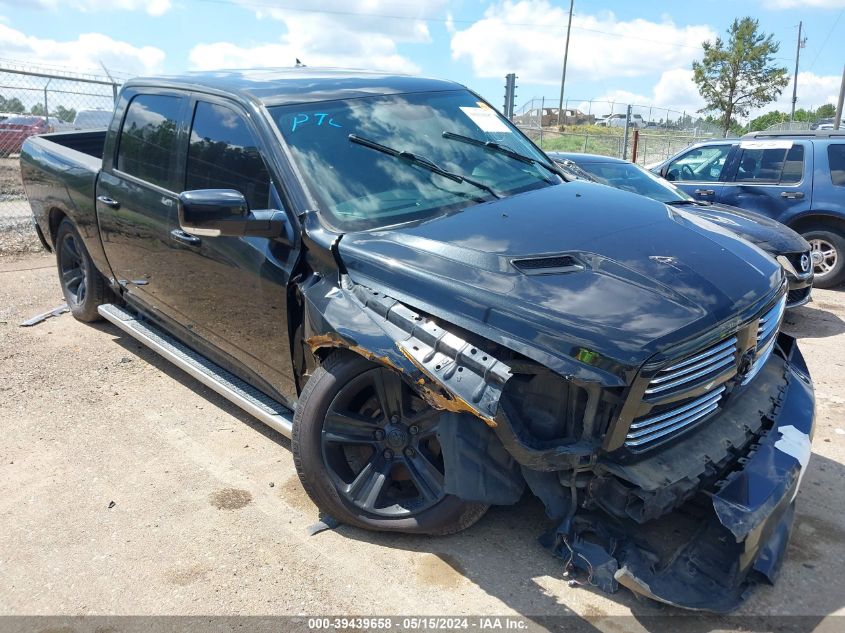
column 772, row 474
column 450, row 372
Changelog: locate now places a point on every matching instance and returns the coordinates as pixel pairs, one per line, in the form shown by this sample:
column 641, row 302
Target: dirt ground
column 17, row 235
column 126, row 487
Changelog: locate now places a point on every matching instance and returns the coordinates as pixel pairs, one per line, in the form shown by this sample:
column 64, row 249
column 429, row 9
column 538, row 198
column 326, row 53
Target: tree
column 65, row 114
column 740, row 74
column 37, row 109
column 765, row 121
column 14, row 105
column 826, row 111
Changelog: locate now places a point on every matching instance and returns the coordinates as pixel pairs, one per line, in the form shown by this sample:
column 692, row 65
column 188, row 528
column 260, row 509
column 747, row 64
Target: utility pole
column 838, row 118
column 801, row 44
column 510, row 96
column 565, row 56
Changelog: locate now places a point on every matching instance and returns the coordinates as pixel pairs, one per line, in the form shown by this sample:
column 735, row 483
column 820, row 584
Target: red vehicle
column 16, row 129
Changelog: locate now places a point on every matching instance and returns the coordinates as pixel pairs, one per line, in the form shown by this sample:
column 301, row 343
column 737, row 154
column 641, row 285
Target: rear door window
column 223, row 154
column 702, row 164
column 148, row 138
column 836, row 159
column 770, row 165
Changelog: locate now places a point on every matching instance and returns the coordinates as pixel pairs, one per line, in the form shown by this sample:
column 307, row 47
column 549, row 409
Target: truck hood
column 770, row 235
column 633, row 276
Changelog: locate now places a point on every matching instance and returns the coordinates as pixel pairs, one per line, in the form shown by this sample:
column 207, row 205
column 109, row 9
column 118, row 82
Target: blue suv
column 797, row 178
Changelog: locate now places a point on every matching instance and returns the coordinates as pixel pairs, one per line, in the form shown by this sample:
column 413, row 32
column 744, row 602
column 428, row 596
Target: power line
column 265, row 5
column 824, row 43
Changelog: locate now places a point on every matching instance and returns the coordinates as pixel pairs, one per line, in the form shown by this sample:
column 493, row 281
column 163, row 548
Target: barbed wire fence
column 36, row 100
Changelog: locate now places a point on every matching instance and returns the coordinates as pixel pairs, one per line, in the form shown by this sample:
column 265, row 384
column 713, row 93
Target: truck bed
column 59, row 172
column 89, row 142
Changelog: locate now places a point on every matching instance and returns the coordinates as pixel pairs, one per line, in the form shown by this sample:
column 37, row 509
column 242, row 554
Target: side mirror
column 664, row 170
column 215, row 212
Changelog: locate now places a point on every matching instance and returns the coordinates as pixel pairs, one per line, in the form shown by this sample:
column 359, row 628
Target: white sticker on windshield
column 486, row 119
column 765, row 144
column 794, row 442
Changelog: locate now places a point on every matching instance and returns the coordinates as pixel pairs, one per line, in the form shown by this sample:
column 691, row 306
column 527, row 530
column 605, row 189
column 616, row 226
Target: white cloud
column 86, row 53
column 153, row 7
column 601, row 46
column 674, row 90
column 813, row 91
column 340, row 35
column 810, row 4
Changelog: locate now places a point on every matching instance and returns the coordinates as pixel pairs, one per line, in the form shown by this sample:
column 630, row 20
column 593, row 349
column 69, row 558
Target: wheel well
column 807, row 221
column 56, row 216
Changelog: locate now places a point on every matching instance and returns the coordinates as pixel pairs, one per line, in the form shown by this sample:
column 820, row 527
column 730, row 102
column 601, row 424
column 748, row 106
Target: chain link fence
column 38, row 100
column 608, row 128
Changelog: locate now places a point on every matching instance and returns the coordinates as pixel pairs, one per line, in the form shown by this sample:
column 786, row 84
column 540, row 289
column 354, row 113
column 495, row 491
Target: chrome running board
column 245, row 396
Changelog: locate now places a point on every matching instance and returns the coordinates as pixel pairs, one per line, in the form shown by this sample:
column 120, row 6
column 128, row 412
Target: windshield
column 361, row 188
column 634, row 178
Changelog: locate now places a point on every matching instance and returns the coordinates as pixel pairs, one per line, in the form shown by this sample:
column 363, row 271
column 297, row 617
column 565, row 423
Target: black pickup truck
column 451, row 321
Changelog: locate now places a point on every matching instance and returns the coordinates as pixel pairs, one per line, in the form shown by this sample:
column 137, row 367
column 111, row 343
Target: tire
column 828, row 255
column 368, row 470
column 82, row 284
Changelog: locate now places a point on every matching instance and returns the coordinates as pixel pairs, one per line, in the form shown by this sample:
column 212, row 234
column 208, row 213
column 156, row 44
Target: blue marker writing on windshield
column 297, row 120
column 319, row 117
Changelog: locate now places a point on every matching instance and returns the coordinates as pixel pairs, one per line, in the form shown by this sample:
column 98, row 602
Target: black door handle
column 792, row 195
column 109, row 202
column 180, row 236
column 705, row 192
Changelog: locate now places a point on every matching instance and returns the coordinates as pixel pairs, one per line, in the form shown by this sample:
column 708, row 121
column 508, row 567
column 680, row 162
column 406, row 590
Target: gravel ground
column 17, row 232
column 126, row 487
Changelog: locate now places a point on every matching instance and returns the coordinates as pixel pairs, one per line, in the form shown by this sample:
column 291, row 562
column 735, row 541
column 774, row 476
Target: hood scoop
column 549, row 265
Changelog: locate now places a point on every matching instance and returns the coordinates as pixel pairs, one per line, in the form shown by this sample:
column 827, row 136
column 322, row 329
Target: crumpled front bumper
column 708, row 554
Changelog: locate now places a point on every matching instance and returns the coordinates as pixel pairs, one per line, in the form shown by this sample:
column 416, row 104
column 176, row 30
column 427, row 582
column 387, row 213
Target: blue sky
column 623, row 51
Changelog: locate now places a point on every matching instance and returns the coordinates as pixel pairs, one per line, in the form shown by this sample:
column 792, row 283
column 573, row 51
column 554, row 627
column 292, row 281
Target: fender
column 448, row 371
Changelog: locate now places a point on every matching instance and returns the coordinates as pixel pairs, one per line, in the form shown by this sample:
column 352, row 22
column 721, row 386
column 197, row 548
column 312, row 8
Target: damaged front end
column 727, row 513
column 680, row 490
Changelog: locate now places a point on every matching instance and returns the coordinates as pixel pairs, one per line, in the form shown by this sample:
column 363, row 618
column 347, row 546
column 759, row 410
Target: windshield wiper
column 678, row 203
column 577, row 172
column 421, row 161
column 504, row 151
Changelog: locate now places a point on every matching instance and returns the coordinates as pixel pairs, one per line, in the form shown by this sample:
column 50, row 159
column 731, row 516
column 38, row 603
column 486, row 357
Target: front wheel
column 827, row 252
column 367, row 452
column 82, row 284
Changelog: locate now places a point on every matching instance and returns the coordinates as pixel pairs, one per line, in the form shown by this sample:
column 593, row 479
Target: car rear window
column 147, row 147
column 836, row 158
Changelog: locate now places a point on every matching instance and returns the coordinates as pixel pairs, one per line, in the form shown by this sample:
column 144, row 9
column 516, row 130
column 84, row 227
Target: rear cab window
column 147, row 148
column 836, row 160
column 770, row 162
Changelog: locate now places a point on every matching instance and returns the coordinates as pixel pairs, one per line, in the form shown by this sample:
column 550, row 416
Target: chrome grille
column 767, row 330
column 697, row 368
column 685, row 377
column 645, row 432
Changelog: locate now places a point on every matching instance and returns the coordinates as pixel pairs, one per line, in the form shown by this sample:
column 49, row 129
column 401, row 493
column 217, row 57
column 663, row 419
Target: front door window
column 702, row 164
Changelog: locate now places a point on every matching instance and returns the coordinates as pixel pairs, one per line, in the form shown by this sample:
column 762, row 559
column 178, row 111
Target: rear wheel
column 827, row 251
column 82, row 285
column 367, row 452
